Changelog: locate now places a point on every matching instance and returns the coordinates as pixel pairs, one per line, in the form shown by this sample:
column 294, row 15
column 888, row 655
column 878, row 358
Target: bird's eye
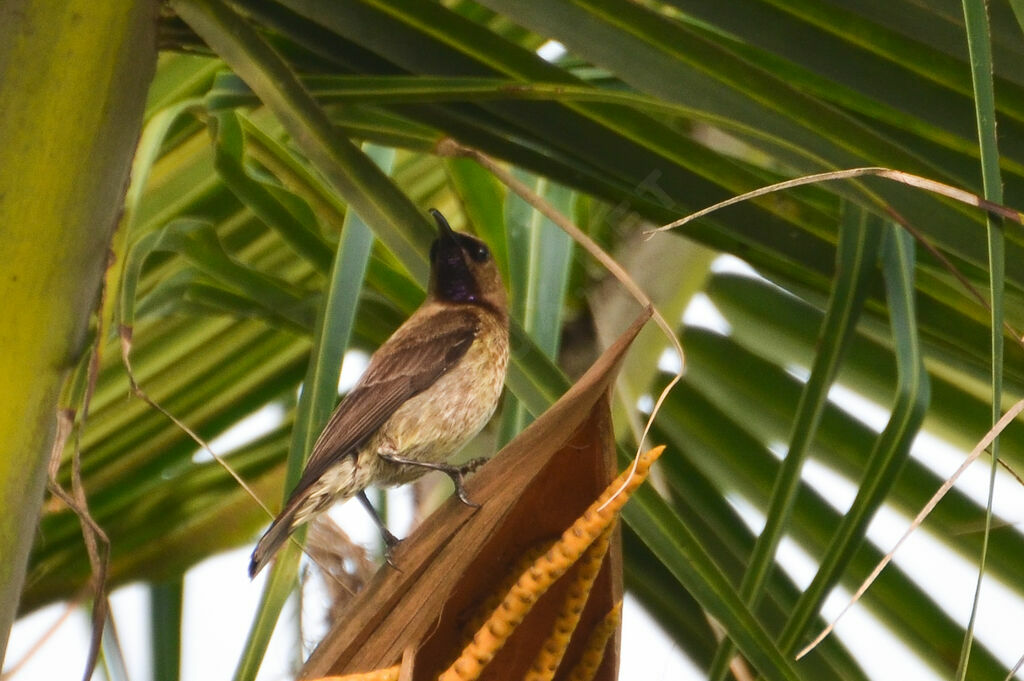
column 474, row 248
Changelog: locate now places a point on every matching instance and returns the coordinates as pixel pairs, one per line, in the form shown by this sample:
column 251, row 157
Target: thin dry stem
column 126, row 346
column 896, row 175
column 886, row 173
column 740, row 669
column 332, row 550
column 1009, row 469
column 991, row 435
column 97, row 544
column 13, row 670
column 1015, row 669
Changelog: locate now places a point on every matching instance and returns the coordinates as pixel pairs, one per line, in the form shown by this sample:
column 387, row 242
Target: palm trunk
column 73, row 81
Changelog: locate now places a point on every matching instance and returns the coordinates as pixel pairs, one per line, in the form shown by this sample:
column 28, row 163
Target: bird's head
column 462, row 269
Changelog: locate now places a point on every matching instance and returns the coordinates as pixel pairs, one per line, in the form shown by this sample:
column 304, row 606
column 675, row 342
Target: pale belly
column 435, row 424
column 429, row 427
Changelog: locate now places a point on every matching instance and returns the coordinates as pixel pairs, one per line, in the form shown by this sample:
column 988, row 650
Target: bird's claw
column 388, row 558
column 460, row 491
column 390, row 540
column 457, row 478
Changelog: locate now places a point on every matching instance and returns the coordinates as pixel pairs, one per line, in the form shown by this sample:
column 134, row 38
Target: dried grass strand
column 897, row 176
column 97, row 544
column 125, row 333
column 909, row 179
column 991, row 435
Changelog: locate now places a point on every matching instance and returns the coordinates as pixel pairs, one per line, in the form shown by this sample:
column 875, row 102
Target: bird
column 427, row 390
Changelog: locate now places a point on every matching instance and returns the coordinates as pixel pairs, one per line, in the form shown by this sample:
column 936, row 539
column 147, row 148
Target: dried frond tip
column 386, row 674
column 593, row 654
column 539, row 577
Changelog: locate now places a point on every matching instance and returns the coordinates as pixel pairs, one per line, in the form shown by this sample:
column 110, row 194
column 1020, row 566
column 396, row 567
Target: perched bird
column 427, row 391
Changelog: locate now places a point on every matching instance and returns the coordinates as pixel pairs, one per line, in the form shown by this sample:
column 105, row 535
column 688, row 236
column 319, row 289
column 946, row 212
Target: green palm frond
column 276, row 220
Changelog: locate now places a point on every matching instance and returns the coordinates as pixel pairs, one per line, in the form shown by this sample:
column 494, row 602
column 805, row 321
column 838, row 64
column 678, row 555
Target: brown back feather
column 409, row 362
column 430, row 343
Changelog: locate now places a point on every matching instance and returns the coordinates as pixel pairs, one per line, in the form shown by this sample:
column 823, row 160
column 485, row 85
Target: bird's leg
column 454, row 472
column 390, row 540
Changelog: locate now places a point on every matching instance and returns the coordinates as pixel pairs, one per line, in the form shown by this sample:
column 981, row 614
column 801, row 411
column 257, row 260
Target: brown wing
column 409, row 362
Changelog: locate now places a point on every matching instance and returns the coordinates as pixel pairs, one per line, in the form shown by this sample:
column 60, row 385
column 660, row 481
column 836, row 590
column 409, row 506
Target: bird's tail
column 272, row 540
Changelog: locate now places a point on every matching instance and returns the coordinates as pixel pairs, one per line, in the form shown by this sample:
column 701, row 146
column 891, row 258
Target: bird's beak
column 450, row 276
column 444, row 230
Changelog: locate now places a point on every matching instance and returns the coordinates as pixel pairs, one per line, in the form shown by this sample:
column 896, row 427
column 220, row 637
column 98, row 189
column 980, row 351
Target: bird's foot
column 390, row 540
column 388, row 547
column 456, row 473
column 460, row 490
column 473, row 464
